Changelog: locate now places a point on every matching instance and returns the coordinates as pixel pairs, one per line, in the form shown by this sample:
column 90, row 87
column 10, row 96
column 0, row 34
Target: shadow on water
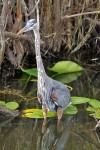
column 73, row 133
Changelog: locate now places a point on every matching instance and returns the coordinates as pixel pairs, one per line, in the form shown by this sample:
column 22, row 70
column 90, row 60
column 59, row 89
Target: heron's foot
column 59, row 113
column 44, row 110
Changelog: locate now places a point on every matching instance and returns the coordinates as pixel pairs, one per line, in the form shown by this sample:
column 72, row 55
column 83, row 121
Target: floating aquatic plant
column 10, row 105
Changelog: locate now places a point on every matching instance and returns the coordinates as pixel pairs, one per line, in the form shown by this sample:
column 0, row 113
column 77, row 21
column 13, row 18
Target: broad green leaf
column 96, row 114
column 91, row 109
column 2, row 102
column 66, row 67
column 80, row 100
column 37, row 113
column 94, row 103
column 71, row 110
column 34, row 113
column 67, row 78
column 32, row 72
column 31, row 110
column 12, row 105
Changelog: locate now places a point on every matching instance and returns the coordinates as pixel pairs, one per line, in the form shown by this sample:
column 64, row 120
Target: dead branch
column 17, row 37
column 20, row 37
column 81, row 14
column 98, row 124
column 3, row 21
column 34, row 8
column 83, row 41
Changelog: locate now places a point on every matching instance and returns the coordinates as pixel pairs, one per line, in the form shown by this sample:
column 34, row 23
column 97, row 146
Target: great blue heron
column 53, row 95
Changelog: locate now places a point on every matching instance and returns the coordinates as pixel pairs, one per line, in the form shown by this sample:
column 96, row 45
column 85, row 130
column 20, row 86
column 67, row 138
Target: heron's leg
column 44, row 125
column 44, row 112
column 59, row 112
column 59, row 126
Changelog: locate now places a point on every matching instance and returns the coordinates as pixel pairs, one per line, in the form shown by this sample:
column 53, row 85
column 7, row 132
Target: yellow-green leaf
column 94, row 103
column 80, row 100
column 32, row 72
column 67, row 78
column 12, row 105
column 37, row 113
column 66, row 67
column 71, row 110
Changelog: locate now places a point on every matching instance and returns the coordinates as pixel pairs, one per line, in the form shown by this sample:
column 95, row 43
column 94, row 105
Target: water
column 72, row 133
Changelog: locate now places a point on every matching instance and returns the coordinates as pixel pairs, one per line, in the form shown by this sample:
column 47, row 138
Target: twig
column 33, row 8
column 7, row 121
column 83, row 41
column 13, row 92
column 98, row 124
column 81, row 14
column 25, row 9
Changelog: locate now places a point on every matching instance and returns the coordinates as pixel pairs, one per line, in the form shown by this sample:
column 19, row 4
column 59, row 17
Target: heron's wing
column 61, row 95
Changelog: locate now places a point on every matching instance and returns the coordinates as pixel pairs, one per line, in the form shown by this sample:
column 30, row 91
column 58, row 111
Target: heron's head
column 29, row 26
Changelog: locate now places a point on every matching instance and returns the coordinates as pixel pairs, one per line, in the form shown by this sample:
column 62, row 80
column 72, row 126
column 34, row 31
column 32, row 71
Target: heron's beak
column 20, row 32
column 25, row 29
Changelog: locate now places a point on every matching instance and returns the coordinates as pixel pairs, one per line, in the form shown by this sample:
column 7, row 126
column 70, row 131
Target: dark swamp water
column 73, row 133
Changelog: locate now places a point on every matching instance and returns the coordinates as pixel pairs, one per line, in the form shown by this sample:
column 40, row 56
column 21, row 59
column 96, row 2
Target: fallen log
column 8, row 112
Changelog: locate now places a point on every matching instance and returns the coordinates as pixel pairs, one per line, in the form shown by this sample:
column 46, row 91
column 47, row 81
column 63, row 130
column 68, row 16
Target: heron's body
column 53, row 95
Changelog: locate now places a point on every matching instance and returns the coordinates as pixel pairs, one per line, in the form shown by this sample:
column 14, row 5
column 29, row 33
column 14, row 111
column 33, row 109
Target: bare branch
column 3, row 22
column 81, row 14
column 34, row 8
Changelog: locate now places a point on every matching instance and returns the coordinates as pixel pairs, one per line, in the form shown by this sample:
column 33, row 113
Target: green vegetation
column 10, row 105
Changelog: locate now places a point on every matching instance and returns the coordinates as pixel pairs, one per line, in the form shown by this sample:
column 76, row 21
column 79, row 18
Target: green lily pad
column 94, row 103
column 31, row 72
column 71, row 110
column 67, row 78
column 12, row 105
column 91, row 109
column 66, row 67
column 80, row 100
column 2, row 102
column 37, row 113
column 96, row 114
column 34, row 113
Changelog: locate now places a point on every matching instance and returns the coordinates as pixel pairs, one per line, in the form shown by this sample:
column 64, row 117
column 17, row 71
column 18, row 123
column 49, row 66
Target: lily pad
column 66, row 67
column 71, row 110
column 80, row 100
column 94, row 103
column 34, row 113
column 91, row 109
column 96, row 114
column 67, row 78
column 12, row 105
column 37, row 113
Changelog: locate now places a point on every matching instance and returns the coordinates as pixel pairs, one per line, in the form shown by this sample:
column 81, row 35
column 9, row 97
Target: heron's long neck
column 40, row 67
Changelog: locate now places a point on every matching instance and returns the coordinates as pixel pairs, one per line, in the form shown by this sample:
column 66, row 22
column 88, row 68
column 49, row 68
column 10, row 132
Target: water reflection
column 73, row 133
column 28, row 134
column 55, row 137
